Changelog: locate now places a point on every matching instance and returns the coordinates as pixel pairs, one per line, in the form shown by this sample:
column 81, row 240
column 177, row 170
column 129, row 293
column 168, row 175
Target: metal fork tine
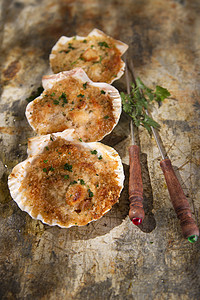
column 178, row 198
column 127, row 78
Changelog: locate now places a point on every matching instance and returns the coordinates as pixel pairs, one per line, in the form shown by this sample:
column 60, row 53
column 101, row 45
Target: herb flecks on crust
column 70, row 103
column 62, row 184
column 98, row 56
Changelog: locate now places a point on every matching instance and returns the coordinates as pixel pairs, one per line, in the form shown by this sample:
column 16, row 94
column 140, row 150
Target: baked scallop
column 71, row 100
column 97, row 54
column 66, row 182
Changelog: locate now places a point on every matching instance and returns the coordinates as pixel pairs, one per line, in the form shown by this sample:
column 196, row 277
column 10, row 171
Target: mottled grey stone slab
column 109, row 258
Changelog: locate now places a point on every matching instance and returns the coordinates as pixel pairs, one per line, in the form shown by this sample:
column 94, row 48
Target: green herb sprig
column 138, row 101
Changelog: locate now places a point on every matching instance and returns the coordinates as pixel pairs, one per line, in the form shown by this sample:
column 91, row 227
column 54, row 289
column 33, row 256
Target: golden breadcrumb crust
column 70, row 103
column 70, row 183
column 97, row 56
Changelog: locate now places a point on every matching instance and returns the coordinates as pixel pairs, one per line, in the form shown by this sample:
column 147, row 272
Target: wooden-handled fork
column 177, row 196
column 136, row 211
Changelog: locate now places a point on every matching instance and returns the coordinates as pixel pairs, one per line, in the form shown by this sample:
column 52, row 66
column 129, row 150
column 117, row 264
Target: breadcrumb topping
column 70, row 183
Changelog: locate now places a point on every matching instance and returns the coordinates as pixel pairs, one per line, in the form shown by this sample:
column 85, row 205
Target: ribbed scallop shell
column 77, row 73
column 121, row 47
column 37, row 146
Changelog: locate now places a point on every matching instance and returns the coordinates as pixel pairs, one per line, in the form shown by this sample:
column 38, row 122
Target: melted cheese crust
column 70, row 184
column 73, row 104
column 97, row 56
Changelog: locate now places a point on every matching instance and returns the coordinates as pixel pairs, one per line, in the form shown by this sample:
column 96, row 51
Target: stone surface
column 109, row 258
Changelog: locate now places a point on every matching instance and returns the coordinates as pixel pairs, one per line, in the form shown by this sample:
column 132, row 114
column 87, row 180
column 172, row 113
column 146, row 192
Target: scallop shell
column 121, row 47
column 77, row 73
column 36, row 148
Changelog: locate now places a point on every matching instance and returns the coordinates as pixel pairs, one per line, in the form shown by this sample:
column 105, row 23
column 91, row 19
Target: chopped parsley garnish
column 84, row 41
column 51, row 169
column 45, row 170
column 66, row 176
column 80, row 140
column 103, row 92
column 94, row 151
column 74, row 62
column 68, row 167
column 106, row 117
column 51, row 138
column 73, row 182
column 100, row 157
column 85, row 85
column 65, row 51
column 53, row 94
column 56, row 102
column 70, row 46
column 45, row 161
column 81, row 95
column 47, row 148
column 63, row 96
column 82, row 182
column 103, row 44
column 82, row 58
column 90, row 193
column 58, row 151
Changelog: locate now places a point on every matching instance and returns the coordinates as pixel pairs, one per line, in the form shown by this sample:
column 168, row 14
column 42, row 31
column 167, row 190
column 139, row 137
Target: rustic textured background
column 110, row 258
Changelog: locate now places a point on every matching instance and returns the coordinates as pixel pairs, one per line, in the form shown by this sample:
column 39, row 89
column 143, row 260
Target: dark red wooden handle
column 135, row 184
column 179, row 200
